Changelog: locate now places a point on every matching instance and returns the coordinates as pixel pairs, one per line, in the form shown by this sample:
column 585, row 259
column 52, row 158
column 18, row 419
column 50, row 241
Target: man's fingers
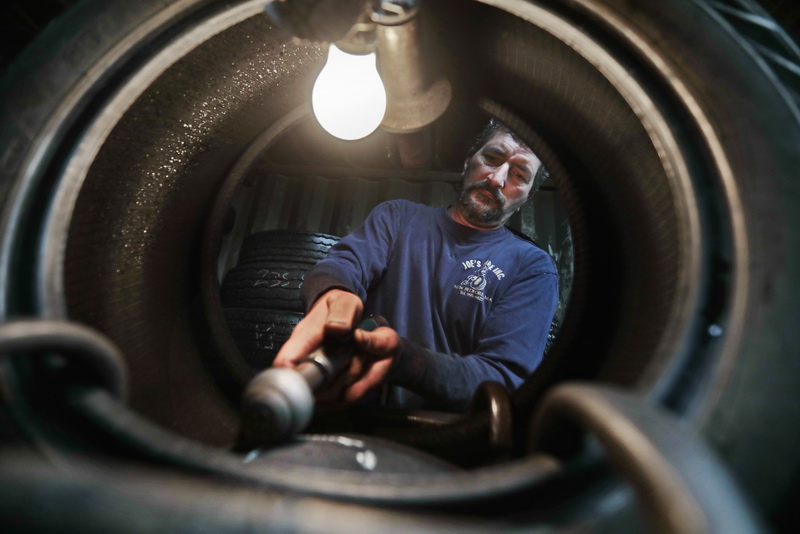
column 334, row 314
column 344, row 312
column 334, row 392
column 380, row 346
column 306, row 337
column 353, row 371
column 382, row 341
column 371, row 379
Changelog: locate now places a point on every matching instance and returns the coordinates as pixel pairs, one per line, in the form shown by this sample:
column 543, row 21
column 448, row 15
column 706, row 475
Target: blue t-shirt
column 471, row 305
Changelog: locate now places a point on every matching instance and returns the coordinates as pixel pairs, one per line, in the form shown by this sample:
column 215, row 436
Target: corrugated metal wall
column 335, row 205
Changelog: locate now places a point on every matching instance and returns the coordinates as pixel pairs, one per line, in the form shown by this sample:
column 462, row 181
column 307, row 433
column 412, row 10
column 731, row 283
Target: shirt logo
column 475, row 283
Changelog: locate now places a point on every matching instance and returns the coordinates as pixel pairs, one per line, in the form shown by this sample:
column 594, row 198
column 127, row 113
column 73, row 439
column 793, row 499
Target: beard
column 478, row 213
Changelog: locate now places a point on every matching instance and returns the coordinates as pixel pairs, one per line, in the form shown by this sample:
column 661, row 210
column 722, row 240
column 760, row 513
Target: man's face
column 497, row 181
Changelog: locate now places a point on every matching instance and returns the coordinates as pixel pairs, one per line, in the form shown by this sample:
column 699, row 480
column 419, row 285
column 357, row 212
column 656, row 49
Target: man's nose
column 498, row 176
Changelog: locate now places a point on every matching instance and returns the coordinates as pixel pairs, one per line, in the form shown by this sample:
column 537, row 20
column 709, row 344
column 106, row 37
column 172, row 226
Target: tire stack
column 261, row 296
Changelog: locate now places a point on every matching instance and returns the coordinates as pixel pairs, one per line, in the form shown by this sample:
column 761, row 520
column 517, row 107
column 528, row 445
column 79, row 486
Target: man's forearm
column 449, row 378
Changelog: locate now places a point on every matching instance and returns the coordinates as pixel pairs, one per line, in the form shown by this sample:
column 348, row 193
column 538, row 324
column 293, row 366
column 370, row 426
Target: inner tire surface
column 730, row 370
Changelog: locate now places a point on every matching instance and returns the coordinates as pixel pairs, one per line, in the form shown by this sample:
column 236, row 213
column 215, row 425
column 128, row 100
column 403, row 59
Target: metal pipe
column 413, row 100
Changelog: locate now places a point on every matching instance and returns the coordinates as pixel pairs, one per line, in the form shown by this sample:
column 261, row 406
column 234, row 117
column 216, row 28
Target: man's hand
column 374, row 353
column 334, row 315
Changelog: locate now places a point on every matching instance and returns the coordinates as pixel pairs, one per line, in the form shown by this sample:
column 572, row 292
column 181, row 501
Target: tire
column 290, row 246
column 673, row 140
column 725, row 211
column 261, row 297
column 265, row 285
column 259, row 333
column 54, row 93
column 271, row 270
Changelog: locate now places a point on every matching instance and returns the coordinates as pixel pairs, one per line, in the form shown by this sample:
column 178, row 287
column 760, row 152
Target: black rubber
column 286, row 246
column 672, row 468
column 129, row 267
column 264, row 285
column 271, row 270
column 260, row 333
column 261, row 296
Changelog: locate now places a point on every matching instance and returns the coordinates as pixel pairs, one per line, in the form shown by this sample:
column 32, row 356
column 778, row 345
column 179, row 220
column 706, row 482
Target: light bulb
column 348, row 99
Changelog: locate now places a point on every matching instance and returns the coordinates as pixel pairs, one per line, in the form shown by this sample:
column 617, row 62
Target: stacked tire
column 261, row 296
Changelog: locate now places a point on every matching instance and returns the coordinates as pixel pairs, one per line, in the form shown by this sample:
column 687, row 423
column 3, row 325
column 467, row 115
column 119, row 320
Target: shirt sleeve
column 509, row 349
column 359, row 259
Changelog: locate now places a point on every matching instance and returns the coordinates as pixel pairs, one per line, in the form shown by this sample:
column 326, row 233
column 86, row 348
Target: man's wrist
column 409, row 364
column 314, row 288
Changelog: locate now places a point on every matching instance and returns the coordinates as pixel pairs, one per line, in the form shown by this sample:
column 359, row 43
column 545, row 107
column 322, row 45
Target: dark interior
column 142, row 143
column 134, row 244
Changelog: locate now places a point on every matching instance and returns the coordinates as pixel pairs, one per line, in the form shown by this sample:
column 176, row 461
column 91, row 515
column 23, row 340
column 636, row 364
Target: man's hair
column 494, row 126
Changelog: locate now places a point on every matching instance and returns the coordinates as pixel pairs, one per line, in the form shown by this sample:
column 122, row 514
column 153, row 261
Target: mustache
column 483, row 185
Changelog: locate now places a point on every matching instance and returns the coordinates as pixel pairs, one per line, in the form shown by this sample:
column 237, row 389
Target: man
column 467, row 300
